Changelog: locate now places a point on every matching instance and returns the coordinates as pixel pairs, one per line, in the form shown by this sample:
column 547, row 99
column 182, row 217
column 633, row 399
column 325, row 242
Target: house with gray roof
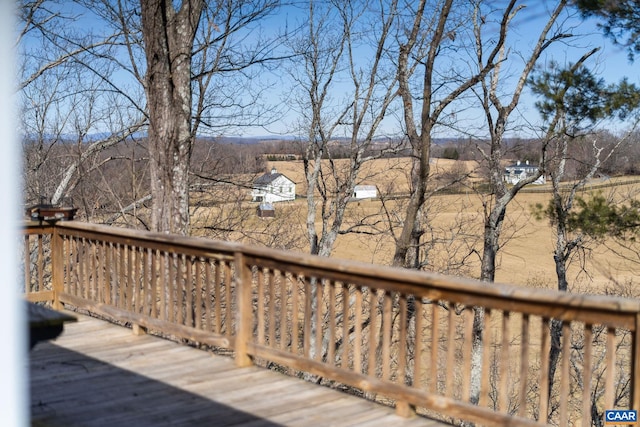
column 273, row 187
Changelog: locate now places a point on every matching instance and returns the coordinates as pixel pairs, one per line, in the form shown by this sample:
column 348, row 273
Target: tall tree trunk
column 419, row 134
column 560, row 257
column 498, row 115
column 563, row 250
column 168, row 36
column 556, row 325
column 408, row 243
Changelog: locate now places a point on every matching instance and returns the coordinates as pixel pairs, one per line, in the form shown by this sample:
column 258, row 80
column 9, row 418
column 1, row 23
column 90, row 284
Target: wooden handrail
column 407, row 336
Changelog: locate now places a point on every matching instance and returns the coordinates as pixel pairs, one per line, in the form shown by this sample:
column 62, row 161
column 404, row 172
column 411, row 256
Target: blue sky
column 611, row 63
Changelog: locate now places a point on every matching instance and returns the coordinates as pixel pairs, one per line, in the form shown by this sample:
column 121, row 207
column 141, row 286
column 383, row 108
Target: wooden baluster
column 544, row 371
column 565, row 378
column 373, row 329
column 417, row 346
column 331, row 332
column 451, row 350
column 503, row 392
column 181, row 289
column 435, row 347
column 319, row 317
column 155, row 266
column 346, row 316
column 466, row 354
column 609, row 391
column 217, row 289
column 307, row 317
column 189, row 289
column 403, row 408
column 100, row 257
column 198, row 290
column 485, row 384
column 284, row 309
column 386, row 335
column 57, row 269
column 244, row 316
column 524, row 367
column 587, row 375
column 82, row 291
column 141, row 280
column 357, row 342
column 40, row 261
column 228, row 321
column 208, row 286
column 295, row 309
column 164, row 282
column 122, row 250
column 27, row 265
column 272, row 309
column 261, row 309
column 172, row 286
column 131, row 277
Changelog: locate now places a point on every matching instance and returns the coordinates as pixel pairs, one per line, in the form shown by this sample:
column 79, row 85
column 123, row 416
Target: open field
column 456, row 227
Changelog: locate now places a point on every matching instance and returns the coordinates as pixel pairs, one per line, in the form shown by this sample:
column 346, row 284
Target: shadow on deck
column 100, row 374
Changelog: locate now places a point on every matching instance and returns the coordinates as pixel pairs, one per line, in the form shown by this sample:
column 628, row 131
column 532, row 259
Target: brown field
column 527, row 255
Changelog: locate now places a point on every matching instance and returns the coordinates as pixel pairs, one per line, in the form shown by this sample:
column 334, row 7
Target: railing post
column 57, row 268
column 244, row 315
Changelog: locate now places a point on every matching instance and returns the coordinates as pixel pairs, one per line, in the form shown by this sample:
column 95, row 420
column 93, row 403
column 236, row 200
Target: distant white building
column 518, row 171
column 365, row 192
column 273, row 187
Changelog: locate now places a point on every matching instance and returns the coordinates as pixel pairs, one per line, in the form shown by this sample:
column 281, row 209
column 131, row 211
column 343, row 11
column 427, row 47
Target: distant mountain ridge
column 241, row 140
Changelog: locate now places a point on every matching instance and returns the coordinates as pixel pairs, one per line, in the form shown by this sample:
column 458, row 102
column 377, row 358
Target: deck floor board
column 99, row 374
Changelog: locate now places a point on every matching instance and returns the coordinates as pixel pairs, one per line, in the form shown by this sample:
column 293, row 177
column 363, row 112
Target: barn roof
column 365, row 187
column 268, row 178
column 521, row 165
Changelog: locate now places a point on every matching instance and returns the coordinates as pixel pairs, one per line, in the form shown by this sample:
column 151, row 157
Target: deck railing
column 402, row 337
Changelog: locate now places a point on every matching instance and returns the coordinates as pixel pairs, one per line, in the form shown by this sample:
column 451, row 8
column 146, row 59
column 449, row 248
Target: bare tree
column 73, row 111
column 347, row 123
column 497, row 112
column 169, row 36
column 179, row 56
column 63, row 110
column 426, row 38
column 151, row 56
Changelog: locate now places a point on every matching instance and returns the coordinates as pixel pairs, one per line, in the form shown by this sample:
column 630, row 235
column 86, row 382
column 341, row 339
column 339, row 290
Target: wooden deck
column 99, row 374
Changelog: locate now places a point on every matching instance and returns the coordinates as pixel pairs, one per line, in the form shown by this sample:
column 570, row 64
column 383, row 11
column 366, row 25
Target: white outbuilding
column 365, row 192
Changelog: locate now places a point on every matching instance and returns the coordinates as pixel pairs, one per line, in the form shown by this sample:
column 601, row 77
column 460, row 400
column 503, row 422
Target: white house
column 365, row 192
column 518, row 171
column 273, row 187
